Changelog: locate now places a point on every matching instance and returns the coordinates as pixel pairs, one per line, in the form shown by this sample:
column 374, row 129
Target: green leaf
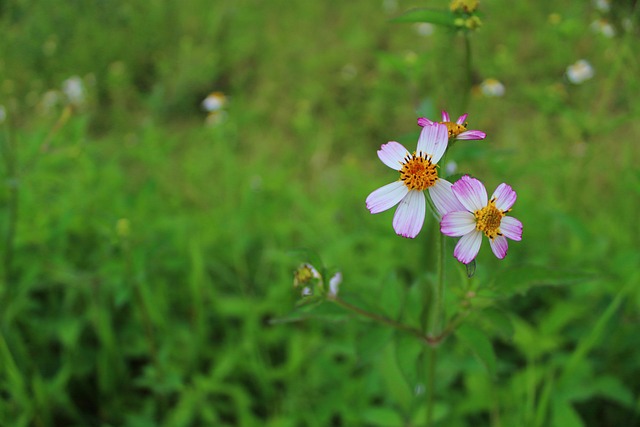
column 498, row 321
column 480, row 344
column 372, row 341
column 564, row 415
column 408, row 358
column 518, row 280
column 445, row 18
column 383, row 417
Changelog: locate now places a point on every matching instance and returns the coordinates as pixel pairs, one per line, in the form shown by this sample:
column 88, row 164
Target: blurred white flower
column 580, row 72
column 73, row 88
column 602, row 26
column 50, row 100
column 334, row 285
column 492, row 88
column 450, row 167
column 424, row 29
column 602, row 5
column 214, row 101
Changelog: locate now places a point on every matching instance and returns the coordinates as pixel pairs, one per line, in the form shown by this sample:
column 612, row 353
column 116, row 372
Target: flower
column 466, row 6
column 74, row 90
column 492, row 88
column 602, row 5
column 418, row 172
column 334, row 285
column 457, row 130
column 481, row 216
column 602, row 26
column 214, row 101
column 580, row 72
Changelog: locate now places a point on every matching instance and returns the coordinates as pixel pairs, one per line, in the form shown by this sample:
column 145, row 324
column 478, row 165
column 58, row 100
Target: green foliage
column 146, row 257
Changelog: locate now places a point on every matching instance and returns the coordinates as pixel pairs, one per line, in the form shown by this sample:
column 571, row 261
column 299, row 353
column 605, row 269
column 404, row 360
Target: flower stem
column 435, row 329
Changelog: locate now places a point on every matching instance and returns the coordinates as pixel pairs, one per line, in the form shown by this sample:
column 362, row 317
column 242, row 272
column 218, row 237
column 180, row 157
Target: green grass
column 152, row 255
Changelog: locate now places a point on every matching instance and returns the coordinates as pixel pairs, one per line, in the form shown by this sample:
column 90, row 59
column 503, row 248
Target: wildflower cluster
column 463, row 208
column 310, row 282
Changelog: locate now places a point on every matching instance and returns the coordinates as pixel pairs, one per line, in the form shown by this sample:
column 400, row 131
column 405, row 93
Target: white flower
column 424, row 29
column 334, row 285
column 580, row 72
column 492, row 88
column 602, row 5
column 418, row 172
column 602, row 26
column 214, row 102
column 73, row 88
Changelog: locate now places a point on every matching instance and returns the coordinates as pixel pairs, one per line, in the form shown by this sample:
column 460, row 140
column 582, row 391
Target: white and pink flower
column 481, row 216
column 418, row 172
column 456, row 130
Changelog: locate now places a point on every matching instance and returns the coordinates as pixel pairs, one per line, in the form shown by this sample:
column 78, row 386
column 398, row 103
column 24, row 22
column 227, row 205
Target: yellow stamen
column 418, row 173
column 488, row 220
column 454, row 129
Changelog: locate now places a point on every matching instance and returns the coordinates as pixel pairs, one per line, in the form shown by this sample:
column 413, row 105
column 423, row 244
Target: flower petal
column 445, row 116
column 471, row 135
column 386, row 197
column 468, row 247
column 499, row 246
column 423, row 121
column 443, row 197
column 461, row 119
column 470, row 192
column 456, row 224
column 409, row 216
column 511, row 228
column 392, row 154
column 505, row 197
column 433, row 141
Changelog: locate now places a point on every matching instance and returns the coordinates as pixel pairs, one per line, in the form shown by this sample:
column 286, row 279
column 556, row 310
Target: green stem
column 437, row 310
column 10, row 158
column 469, row 71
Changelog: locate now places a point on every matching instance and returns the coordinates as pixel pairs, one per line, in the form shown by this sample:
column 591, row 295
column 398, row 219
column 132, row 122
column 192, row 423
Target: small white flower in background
column 492, row 88
column 580, row 72
column 214, row 104
column 602, row 26
column 306, row 291
column 602, row 5
column 450, row 167
column 424, row 29
column 3, row 114
column 214, row 101
column 334, row 285
column 73, row 88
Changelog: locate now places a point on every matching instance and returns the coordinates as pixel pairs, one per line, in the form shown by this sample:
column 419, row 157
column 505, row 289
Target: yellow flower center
column 467, row 6
column 488, row 220
column 454, row 129
column 418, row 173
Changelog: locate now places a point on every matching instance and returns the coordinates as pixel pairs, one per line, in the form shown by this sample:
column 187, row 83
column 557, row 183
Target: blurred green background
column 147, row 252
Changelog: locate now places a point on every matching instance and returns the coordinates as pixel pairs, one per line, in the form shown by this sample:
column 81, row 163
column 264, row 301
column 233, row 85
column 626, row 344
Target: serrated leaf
column 518, row 280
column 438, row 17
column 480, row 345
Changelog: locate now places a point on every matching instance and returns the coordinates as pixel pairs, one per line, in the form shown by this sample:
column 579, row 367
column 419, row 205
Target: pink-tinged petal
column 471, row 135
column 511, row 228
column 470, row 192
column 499, row 246
column 461, row 119
column 392, row 154
column 423, row 121
column 505, row 197
column 409, row 216
column 433, row 141
column 456, row 224
column 443, row 198
column 386, row 197
column 468, row 247
column 445, row 116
